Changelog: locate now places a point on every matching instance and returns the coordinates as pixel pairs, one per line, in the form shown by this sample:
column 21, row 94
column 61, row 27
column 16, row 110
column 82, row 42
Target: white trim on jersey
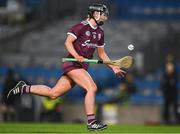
column 72, row 35
column 91, row 25
column 102, row 45
column 85, row 22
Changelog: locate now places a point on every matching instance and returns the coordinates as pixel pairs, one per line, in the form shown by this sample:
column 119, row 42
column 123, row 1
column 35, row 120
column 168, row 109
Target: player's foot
column 17, row 90
column 96, row 126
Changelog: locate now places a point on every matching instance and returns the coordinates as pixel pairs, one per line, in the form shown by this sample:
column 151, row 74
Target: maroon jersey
column 88, row 38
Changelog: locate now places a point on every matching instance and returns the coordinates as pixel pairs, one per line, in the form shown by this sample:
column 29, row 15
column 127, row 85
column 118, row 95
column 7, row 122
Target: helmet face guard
column 99, row 8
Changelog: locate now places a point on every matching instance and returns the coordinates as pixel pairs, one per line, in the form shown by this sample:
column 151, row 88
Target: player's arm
column 103, row 55
column 70, row 47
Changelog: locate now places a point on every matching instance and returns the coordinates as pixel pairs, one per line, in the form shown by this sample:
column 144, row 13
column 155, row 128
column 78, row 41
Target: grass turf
column 81, row 128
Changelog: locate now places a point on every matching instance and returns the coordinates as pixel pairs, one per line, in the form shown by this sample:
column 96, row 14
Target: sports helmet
column 99, row 8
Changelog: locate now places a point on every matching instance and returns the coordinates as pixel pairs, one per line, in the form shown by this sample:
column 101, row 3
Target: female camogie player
column 81, row 42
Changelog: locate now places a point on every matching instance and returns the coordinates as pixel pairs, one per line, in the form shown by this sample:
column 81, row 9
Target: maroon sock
column 91, row 118
column 26, row 89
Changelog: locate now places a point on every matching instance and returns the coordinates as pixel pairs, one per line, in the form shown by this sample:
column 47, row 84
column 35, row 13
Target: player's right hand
column 118, row 71
column 79, row 58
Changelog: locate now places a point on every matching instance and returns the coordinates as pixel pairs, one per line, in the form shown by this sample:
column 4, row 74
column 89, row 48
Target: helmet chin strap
column 98, row 23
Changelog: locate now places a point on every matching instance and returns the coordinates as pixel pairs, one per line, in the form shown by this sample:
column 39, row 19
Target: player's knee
column 93, row 89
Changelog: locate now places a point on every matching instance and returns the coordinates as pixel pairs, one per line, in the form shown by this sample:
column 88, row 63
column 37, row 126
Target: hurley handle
column 85, row 60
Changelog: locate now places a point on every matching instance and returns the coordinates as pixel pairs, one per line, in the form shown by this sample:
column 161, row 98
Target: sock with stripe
column 26, row 89
column 91, row 118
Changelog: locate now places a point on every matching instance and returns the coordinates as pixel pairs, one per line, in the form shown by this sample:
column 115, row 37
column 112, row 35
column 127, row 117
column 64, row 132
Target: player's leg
column 175, row 110
column 83, row 79
column 166, row 111
column 63, row 85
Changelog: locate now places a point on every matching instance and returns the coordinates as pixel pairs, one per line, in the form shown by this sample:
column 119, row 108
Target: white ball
column 131, row 47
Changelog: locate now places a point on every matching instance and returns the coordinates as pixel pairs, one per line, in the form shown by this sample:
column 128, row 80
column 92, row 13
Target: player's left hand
column 118, row 71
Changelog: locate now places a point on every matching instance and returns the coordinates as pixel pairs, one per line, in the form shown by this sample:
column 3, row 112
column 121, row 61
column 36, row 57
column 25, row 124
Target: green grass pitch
column 52, row 128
